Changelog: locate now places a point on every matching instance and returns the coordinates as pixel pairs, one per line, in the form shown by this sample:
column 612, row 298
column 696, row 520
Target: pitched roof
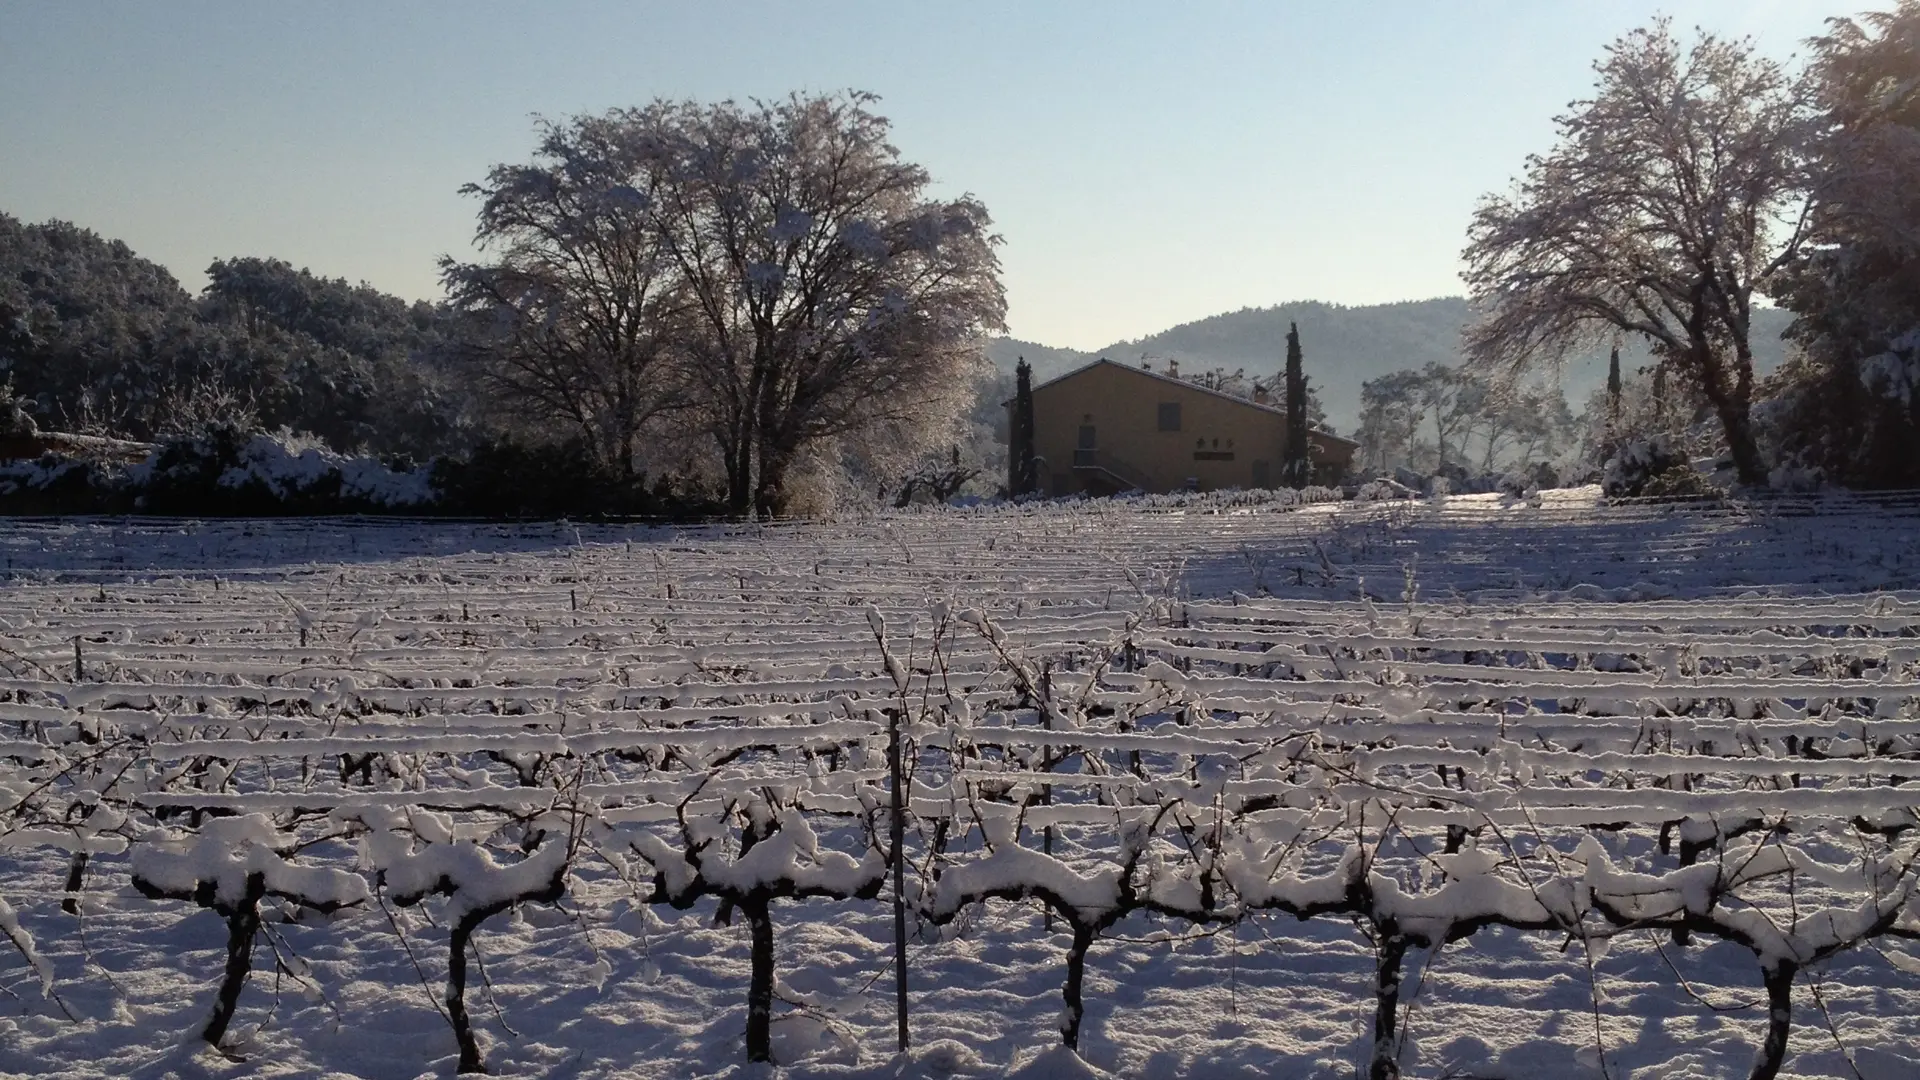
column 1184, row 384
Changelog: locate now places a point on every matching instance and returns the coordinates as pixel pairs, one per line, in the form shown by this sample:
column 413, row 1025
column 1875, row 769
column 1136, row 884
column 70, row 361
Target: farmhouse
column 1107, row 427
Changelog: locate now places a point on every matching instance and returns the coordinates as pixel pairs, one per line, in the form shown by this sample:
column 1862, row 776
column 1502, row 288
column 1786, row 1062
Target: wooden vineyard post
column 1046, row 790
column 77, row 865
column 897, row 807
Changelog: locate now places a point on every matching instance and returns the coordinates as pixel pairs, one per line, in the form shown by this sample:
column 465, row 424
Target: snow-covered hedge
column 272, row 473
column 229, row 473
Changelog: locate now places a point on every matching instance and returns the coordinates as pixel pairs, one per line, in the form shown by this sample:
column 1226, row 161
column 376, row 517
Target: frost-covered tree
column 774, row 272
column 1475, row 424
column 1390, row 420
column 576, row 319
column 1850, row 405
column 829, row 293
column 1671, row 200
column 1517, row 426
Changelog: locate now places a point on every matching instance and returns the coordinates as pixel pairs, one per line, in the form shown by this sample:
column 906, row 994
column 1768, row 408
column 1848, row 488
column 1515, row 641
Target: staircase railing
column 1091, row 459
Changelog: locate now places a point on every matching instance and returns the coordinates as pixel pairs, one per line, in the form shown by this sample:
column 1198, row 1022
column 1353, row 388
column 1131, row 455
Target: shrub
column 226, row 472
column 1635, row 462
column 509, row 479
column 223, row 471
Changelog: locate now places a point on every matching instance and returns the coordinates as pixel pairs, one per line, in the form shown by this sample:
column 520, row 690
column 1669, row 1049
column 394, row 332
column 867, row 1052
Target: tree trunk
column 76, row 880
column 242, row 924
column 760, row 987
column 1076, row 977
column 769, row 494
column 1773, row 1052
column 1737, row 422
column 739, row 458
column 457, row 988
column 1689, row 854
column 1730, row 397
column 1385, row 1064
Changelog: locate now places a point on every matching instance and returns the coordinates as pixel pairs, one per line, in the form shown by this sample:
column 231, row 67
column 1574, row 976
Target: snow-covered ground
column 1248, row 701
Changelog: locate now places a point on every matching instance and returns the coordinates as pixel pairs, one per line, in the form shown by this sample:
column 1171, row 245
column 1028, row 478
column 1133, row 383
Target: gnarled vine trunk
column 1385, row 1061
column 243, row 923
column 760, row 986
column 1778, row 978
column 1076, row 977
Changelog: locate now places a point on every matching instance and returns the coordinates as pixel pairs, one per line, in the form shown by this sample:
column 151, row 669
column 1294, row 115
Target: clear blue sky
column 1147, row 163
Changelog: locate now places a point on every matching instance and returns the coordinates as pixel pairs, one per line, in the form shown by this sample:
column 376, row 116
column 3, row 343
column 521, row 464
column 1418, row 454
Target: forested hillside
column 96, row 339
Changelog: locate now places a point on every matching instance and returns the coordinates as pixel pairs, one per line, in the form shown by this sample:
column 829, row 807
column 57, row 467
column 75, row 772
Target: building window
column 1169, row 416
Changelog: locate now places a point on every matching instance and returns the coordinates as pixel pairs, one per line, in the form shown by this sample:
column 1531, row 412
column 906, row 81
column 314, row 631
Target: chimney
column 1260, row 394
column 1173, row 368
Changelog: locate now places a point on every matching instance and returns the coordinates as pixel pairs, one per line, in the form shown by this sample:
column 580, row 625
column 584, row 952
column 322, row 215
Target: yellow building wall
column 1237, row 444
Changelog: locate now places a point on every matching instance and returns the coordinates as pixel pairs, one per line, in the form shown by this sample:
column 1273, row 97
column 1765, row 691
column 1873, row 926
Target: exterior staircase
column 1105, row 474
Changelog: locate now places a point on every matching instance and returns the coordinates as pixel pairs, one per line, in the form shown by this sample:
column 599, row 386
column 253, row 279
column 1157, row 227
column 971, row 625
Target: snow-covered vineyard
column 1203, row 789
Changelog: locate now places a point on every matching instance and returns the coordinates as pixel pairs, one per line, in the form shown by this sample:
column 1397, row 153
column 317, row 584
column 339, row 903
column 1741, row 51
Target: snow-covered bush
column 224, row 470
column 1518, row 485
column 516, row 480
column 289, row 467
column 1383, row 488
column 52, row 484
column 1646, row 466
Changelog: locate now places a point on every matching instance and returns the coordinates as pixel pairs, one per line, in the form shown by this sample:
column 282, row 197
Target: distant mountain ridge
column 1344, row 346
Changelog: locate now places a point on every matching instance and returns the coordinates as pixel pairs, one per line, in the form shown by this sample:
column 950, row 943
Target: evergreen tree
column 1298, row 469
column 1613, row 392
column 1023, row 473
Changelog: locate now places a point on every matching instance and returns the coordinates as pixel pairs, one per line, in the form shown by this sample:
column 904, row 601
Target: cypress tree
column 1298, row 469
column 1613, row 393
column 1022, row 469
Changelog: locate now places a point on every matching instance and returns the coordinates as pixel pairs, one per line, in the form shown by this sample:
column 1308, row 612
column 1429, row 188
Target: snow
column 1114, row 705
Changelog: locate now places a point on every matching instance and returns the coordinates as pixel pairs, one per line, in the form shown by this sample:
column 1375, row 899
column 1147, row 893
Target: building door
column 1083, row 450
column 1261, row 479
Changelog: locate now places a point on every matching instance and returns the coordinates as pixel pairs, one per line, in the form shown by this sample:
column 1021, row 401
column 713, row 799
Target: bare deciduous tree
column 574, row 319
column 776, row 268
column 830, row 293
column 1672, row 199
